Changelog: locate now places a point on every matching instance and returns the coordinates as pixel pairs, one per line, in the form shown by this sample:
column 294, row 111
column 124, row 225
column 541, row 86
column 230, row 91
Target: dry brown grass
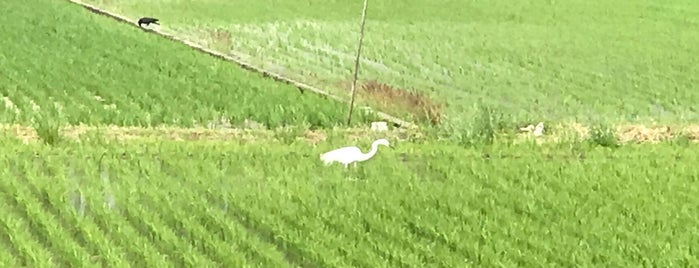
column 390, row 98
column 656, row 133
column 632, row 133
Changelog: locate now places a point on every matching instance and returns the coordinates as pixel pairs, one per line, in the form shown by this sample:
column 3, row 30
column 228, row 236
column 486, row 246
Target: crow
column 147, row 21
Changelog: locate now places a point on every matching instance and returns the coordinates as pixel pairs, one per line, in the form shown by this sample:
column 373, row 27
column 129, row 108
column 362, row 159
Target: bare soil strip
column 111, row 132
column 560, row 133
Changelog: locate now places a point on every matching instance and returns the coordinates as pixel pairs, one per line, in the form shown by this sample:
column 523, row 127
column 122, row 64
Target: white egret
column 351, row 154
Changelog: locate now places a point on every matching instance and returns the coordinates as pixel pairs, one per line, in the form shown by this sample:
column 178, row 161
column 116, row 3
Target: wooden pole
column 356, row 63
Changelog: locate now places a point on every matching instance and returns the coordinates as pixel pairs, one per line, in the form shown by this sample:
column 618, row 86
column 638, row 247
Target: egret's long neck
column 371, row 153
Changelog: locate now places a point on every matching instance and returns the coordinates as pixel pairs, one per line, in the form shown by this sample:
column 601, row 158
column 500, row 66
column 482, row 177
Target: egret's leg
column 353, row 171
column 358, row 170
column 348, row 171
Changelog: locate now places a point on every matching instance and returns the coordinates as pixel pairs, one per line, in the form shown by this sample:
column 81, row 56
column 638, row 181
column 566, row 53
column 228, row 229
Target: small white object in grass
column 252, row 124
column 35, row 107
column 351, row 154
column 10, row 105
column 536, row 131
column 379, row 126
column 528, row 128
column 539, row 130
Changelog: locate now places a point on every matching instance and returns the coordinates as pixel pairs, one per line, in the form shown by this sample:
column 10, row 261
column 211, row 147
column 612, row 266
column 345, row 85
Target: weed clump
column 288, row 135
column 484, row 127
column 603, row 135
column 48, row 129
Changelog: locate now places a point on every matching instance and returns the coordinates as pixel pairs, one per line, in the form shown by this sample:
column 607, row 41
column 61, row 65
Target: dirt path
column 81, row 132
column 626, row 133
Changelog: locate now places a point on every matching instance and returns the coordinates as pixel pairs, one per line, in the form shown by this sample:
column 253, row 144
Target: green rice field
column 537, row 60
column 62, row 62
column 225, row 205
column 120, row 148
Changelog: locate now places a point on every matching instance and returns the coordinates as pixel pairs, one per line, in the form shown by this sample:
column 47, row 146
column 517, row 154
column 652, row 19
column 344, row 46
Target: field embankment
column 561, row 134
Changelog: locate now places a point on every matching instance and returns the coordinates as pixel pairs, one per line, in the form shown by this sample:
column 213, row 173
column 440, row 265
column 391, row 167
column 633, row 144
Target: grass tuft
column 47, row 125
column 603, row 135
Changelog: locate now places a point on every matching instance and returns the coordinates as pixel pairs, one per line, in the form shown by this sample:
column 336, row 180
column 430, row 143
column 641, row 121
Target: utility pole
column 356, row 63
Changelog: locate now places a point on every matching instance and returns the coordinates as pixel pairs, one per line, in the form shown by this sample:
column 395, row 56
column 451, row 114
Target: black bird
column 147, row 21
